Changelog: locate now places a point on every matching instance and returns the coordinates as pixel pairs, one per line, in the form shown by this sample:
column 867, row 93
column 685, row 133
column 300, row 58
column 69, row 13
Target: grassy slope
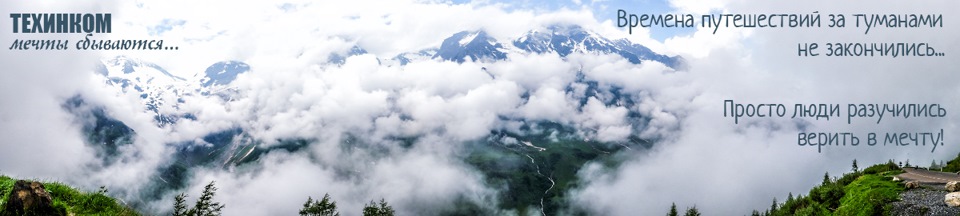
column 867, row 192
column 869, row 195
column 72, row 200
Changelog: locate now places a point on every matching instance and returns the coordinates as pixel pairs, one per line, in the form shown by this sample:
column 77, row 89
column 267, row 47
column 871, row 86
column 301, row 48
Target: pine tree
column 179, row 205
column 773, row 207
column 205, row 206
column 372, row 209
column 755, row 213
column 855, row 168
column 323, row 207
column 692, row 211
column 826, row 178
column 673, row 210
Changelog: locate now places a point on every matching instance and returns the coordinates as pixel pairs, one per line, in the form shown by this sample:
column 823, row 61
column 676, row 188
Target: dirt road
column 928, row 176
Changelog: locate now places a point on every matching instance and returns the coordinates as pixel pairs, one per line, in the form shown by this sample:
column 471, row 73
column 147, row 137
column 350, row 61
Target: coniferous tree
column 205, row 205
column 373, row 209
column 673, row 210
column 322, row 207
column 773, row 207
column 180, row 205
column 692, row 211
column 855, row 168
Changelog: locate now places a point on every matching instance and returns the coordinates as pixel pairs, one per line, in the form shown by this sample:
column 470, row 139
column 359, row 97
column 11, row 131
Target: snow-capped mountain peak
column 149, row 74
column 160, row 91
column 560, row 39
column 222, row 73
column 565, row 40
column 469, row 38
column 470, row 46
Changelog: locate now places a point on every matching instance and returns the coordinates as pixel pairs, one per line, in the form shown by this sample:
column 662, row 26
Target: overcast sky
column 703, row 159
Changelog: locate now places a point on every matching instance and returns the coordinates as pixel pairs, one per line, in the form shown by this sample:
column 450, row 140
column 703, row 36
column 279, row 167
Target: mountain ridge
column 477, row 45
